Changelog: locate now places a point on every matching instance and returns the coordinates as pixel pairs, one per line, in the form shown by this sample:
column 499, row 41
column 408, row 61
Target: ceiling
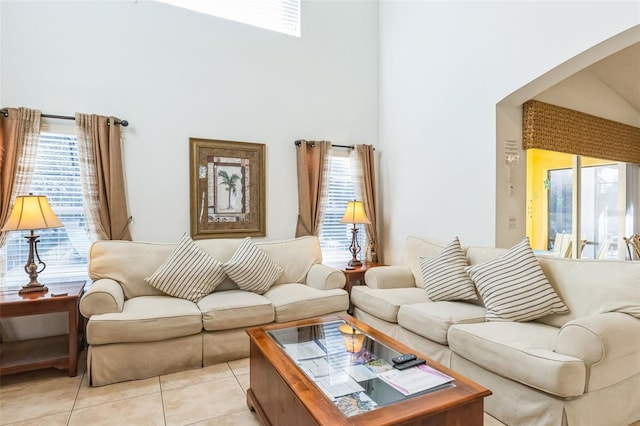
column 621, row 72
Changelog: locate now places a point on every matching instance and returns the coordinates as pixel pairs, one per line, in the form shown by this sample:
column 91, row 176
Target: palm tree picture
column 229, row 183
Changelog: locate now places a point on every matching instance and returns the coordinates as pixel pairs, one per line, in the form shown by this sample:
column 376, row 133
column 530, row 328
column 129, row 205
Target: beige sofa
column 579, row 368
column 135, row 331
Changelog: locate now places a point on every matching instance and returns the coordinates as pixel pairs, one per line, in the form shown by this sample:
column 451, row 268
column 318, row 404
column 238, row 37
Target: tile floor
column 212, row 396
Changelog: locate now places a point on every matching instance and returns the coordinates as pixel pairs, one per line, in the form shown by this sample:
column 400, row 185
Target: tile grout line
column 75, row 400
column 164, row 412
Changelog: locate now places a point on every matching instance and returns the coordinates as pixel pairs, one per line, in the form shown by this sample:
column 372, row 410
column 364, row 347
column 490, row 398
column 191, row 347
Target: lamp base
column 33, row 288
column 354, row 263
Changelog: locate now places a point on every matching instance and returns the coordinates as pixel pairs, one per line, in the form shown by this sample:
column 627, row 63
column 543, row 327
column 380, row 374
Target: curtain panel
column 19, row 138
column 366, row 175
column 100, row 151
column 313, row 167
column 559, row 129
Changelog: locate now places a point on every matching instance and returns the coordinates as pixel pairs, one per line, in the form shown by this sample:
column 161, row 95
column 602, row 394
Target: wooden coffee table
column 282, row 393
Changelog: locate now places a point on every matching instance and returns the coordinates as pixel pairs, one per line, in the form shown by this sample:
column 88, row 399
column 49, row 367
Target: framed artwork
column 227, row 189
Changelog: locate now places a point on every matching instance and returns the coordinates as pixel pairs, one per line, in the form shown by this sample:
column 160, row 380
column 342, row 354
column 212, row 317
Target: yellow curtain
column 313, row 165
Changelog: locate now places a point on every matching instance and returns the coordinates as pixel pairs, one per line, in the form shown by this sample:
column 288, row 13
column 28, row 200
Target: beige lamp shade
column 355, row 213
column 31, row 212
column 353, row 338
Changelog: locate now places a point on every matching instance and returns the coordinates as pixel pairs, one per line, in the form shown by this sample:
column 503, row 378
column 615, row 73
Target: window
column 589, row 206
column 335, row 236
column 277, row 15
column 63, row 250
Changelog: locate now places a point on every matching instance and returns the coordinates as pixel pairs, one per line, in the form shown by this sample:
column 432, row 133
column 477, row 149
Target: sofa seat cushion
column 146, row 319
column 433, row 319
column 298, row 301
column 384, row 303
column 224, row 310
column 522, row 352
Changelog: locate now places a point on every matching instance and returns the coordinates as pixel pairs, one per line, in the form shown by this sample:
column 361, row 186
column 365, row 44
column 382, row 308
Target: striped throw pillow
column 514, row 287
column 251, row 268
column 188, row 273
column 444, row 275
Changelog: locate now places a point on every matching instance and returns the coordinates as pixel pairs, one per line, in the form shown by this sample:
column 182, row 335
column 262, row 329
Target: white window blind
column 63, row 250
column 335, row 237
column 277, row 15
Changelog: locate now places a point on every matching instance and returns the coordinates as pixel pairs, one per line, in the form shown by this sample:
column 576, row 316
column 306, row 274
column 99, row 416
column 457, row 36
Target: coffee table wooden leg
column 254, row 406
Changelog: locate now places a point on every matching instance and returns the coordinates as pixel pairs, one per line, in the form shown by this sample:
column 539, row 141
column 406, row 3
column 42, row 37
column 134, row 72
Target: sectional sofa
column 135, row 330
column 578, row 365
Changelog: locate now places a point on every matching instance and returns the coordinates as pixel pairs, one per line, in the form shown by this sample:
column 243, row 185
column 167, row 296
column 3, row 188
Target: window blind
column 63, row 250
column 335, row 237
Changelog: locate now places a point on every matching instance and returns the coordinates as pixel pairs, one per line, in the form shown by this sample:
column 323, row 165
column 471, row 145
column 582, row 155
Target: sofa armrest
column 394, row 276
column 104, row 296
column 325, row 277
column 608, row 344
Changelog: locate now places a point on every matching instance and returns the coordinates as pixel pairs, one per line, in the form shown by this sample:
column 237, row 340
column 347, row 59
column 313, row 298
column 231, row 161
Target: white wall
column 176, row 74
column 443, row 68
column 571, row 85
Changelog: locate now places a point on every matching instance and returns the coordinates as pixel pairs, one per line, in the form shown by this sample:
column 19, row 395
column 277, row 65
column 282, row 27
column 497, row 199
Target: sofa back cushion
column 295, row 256
column 477, row 255
column 590, row 287
column 130, row 262
column 417, row 247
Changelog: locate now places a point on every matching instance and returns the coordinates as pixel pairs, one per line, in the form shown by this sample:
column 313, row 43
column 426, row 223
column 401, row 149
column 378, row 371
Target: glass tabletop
column 352, row 368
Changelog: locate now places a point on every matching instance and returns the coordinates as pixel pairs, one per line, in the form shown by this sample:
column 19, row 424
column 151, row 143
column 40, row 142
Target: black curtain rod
column 298, row 142
column 123, row 123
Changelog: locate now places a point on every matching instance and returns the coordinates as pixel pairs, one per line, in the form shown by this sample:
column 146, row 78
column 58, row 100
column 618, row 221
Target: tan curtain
column 20, row 137
column 366, row 175
column 100, row 150
column 313, row 159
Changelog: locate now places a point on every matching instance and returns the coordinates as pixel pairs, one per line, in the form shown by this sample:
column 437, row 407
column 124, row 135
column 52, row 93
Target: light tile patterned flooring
column 212, row 396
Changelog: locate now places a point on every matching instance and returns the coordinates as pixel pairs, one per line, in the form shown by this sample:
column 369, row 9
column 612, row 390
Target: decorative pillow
column 188, row 273
column 444, row 275
column 251, row 268
column 514, row 287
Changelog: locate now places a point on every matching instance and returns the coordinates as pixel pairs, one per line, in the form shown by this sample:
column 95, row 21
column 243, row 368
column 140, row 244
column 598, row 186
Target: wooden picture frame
column 227, row 189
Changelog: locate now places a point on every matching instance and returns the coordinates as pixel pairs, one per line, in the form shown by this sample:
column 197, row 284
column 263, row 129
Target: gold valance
column 555, row 128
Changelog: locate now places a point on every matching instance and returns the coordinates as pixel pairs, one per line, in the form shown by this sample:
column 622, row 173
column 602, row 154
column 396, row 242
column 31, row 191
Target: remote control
column 409, row 364
column 403, row 358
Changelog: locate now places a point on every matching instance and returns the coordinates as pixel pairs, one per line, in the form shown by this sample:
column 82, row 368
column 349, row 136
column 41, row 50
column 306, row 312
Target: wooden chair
column 633, row 246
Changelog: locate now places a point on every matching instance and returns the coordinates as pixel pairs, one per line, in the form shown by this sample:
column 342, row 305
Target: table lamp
column 32, row 212
column 355, row 214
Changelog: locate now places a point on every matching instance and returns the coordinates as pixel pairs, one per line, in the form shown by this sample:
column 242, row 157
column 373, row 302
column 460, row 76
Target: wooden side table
column 354, row 276
column 56, row 351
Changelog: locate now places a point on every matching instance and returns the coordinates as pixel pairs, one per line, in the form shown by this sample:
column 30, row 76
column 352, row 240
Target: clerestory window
column 277, row 15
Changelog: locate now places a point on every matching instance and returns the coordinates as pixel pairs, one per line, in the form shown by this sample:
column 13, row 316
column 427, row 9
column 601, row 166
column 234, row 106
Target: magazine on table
column 304, row 350
column 415, row 379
